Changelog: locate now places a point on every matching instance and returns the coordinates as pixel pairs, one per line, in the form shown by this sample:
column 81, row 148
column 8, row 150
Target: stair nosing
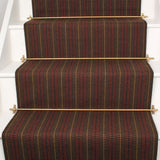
column 21, row 26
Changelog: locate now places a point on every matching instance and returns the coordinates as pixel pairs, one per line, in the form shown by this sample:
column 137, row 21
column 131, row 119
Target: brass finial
column 143, row 16
column 23, row 59
column 153, row 107
column 29, row 18
column 14, row 109
column 147, row 56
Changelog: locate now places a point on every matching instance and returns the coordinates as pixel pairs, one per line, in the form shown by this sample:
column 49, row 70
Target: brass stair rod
column 87, row 17
column 14, row 109
column 87, row 58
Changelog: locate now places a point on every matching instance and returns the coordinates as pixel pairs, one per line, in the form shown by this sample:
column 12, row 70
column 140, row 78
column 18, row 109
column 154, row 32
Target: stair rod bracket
column 153, row 108
column 87, row 17
column 23, row 59
column 15, row 109
column 30, row 17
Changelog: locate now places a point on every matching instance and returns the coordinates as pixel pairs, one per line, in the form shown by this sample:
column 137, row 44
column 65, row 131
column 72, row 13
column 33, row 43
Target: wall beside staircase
column 3, row 5
column 14, row 48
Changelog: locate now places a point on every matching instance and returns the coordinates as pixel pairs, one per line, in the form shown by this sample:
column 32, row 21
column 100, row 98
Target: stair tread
column 9, row 70
column 66, row 129
column 6, row 117
column 20, row 24
column 89, row 20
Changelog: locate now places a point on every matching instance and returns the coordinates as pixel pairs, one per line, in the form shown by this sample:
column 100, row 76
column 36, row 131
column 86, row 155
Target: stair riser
column 16, row 43
column 7, row 87
column 86, row 38
column 87, row 8
column 93, row 84
column 22, row 9
column 2, row 153
column 11, row 93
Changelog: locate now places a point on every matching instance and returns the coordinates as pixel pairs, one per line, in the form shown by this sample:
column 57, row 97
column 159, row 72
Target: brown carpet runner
column 47, row 8
column 43, row 135
column 80, row 135
column 84, row 84
column 86, row 38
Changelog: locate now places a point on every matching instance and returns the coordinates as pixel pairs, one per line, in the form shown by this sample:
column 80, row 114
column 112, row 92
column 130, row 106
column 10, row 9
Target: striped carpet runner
column 71, row 84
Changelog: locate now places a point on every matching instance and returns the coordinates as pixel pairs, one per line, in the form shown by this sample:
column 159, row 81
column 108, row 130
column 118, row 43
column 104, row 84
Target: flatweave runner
column 85, row 84
column 86, row 38
column 80, row 136
column 46, row 8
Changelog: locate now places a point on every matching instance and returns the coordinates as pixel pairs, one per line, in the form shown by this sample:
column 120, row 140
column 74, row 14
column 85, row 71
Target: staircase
column 83, row 84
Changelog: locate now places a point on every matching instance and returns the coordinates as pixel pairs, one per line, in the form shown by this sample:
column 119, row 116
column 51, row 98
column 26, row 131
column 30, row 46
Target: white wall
column 3, row 4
